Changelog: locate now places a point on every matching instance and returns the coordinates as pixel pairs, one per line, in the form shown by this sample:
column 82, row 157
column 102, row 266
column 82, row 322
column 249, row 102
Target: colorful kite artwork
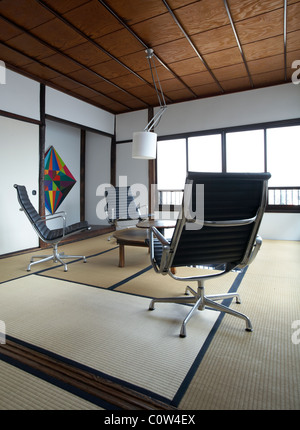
column 58, row 180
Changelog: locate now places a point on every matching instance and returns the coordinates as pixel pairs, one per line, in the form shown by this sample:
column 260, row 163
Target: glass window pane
column 283, row 155
column 205, row 153
column 171, row 164
column 245, row 151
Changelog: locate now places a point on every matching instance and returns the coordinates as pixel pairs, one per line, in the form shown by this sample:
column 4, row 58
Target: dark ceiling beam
column 192, row 45
column 80, row 84
column 93, row 42
column 144, row 45
column 284, row 37
column 78, row 63
column 238, row 42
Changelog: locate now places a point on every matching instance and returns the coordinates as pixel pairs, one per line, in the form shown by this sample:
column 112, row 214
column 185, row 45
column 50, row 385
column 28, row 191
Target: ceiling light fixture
column 144, row 142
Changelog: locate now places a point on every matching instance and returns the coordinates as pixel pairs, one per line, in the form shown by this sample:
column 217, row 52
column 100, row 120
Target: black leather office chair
column 121, row 209
column 48, row 236
column 233, row 208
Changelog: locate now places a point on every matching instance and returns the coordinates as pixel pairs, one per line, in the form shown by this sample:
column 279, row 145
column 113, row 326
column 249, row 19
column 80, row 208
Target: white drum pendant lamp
column 144, row 145
column 144, row 142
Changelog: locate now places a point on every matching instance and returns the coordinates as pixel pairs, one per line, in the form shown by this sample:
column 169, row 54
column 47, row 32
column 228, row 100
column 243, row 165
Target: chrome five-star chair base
column 57, row 257
column 200, row 301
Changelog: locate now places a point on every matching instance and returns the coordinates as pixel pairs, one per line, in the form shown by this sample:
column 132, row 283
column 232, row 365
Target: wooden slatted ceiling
column 95, row 49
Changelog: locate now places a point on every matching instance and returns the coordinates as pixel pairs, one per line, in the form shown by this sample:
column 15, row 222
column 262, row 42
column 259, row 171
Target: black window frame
column 258, row 126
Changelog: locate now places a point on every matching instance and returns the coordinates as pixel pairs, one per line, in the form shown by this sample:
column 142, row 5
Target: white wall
column 74, row 110
column 19, row 143
column 135, row 170
column 280, row 226
column 66, row 141
column 127, row 123
column 63, row 106
column 20, row 149
column 97, row 172
column 275, row 103
column 248, row 107
column 20, row 96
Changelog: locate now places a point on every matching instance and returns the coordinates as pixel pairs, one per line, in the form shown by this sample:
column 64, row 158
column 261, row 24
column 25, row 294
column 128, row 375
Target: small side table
column 129, row 236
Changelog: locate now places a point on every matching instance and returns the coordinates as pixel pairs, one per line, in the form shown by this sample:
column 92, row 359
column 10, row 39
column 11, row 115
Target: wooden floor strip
column 110, row 392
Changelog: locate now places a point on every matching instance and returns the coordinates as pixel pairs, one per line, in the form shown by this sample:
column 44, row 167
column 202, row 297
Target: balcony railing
column 170, row 197
column 285, row 199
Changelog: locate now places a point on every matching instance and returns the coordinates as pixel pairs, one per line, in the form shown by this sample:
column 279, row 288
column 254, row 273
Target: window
column 171, row 171
column 205, row 153
column 245, row 151
column 283, row 155
column 171, row 164
column 273, row 147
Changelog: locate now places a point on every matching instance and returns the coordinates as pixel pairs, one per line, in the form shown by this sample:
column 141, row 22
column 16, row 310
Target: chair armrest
column 145, row 214
column 62, row 215
column 110, row 217
column 160, row 236
column 255, row 249
column 159, row 267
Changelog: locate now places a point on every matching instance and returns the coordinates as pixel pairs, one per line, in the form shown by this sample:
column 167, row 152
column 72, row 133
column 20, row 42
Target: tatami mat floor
column 21, row 390
column 239, row 370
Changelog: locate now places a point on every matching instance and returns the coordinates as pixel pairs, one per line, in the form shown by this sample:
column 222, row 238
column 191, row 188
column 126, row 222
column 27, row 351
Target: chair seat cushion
column 73, row 228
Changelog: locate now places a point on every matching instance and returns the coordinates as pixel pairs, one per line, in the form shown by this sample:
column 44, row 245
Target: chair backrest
column 121, row 204
column 35, row 219
column 225, row 238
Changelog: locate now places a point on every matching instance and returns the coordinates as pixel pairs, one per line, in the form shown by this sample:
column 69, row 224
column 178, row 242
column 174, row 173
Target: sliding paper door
column 19, row 144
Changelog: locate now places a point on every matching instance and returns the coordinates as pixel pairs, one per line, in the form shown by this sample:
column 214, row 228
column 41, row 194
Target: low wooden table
column 159, row 223
column 132, row 237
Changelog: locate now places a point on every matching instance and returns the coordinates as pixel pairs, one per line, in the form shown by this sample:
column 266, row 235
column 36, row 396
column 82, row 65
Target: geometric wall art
column 58, row 180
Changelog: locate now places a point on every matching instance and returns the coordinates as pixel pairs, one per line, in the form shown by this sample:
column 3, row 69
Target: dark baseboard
column 96, row 230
